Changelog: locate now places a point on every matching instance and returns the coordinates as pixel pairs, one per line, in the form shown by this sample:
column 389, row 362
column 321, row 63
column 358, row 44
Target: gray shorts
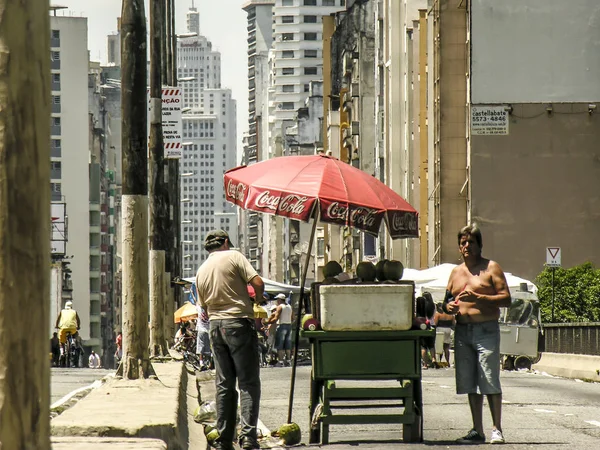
column 477, row 356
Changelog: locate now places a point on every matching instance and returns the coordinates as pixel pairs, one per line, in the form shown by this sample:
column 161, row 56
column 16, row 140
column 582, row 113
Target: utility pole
column 135, row 363
column 174, row 170
column 159, row 222
column 173, row 270
column 24, row 224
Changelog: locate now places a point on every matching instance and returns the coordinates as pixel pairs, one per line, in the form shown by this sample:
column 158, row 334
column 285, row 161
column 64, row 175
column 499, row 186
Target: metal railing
column 576, row 338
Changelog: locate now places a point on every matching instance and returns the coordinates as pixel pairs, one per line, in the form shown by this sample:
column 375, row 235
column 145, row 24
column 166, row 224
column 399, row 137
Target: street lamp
column 186, row 242
column 187, row 256
column 184, row 79
column 185, row 200
column 187, row 35
column 187, row 174
column 186, row 221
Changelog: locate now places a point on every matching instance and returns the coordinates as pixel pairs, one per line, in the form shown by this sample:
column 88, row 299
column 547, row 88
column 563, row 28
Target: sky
column 222, row 21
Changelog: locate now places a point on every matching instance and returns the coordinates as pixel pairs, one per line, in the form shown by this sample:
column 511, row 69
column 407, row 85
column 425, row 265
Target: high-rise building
column 260, row 38
column 70, row 158
column 209, row 135
column 298, row 52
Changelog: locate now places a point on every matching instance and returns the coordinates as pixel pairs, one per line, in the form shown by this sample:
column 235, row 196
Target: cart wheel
column 509, row 363
column 522, row 362
column 413, row 432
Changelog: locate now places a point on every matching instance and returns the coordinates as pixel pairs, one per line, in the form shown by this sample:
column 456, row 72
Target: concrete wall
column 537, row 187
column 531, row 51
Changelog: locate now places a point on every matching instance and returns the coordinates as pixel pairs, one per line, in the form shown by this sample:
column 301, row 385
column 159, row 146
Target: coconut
column 393, row 270
column 331, row 269
column 379, row 270
column 289, row 433
column 366, row 271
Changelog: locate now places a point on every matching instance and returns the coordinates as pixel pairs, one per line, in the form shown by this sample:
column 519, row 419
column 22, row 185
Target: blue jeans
column 235, row 353
column 283, row 337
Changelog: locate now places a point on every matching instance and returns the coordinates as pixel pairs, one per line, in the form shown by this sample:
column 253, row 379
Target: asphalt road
column 64, row 381
column 540, row 412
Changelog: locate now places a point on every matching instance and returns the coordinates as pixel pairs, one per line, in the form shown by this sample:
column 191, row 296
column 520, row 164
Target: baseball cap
column 280, row 297
column 215, row 236
column 69, row 304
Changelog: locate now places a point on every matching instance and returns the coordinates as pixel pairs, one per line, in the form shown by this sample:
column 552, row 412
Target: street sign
column 553, row 257
column 172, row 103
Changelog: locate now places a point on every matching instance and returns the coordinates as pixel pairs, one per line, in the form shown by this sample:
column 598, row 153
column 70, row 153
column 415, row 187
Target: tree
column 576, row 294
column 24, row 224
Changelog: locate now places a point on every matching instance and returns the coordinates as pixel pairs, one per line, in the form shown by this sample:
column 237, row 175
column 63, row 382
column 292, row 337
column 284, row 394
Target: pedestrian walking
column 445, row 323
column 476, row 291
column 426, row 310
column 221, row 283
column 283, row 336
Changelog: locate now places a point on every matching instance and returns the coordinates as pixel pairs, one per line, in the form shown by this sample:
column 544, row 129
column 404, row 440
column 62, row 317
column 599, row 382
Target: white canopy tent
column 271, row 287
column 436, row 286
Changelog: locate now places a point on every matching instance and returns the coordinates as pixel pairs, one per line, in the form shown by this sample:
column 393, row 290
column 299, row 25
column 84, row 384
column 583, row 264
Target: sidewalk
column 152, row 409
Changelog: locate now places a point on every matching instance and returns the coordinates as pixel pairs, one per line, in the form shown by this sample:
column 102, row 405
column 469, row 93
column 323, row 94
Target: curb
column 61, row 405
column 582, row 367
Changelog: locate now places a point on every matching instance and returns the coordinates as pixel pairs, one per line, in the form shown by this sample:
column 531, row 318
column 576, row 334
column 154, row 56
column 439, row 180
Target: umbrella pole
column 299, row 317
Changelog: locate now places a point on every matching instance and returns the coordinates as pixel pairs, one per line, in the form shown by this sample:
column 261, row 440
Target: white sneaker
column 497, row 437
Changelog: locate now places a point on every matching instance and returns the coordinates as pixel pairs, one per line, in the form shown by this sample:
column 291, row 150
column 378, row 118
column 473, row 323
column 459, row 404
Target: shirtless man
column 476, row 291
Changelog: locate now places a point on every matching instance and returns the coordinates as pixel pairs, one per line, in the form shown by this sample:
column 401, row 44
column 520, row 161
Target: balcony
column 55, row 152
column 56, row 173
column 95, row 250
column 55, row 130
column 56, row 108
column 55, row 64
column 54, row 42
column 55, row 85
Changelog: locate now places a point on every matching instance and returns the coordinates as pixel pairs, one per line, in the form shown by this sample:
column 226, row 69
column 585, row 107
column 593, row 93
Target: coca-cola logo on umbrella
column 288, row 205
column 237, row 192
column 360, row 217
column 403, row 222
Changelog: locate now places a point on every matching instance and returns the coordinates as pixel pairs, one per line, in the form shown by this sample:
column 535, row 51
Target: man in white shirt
column 283, row 336
column 94, row 361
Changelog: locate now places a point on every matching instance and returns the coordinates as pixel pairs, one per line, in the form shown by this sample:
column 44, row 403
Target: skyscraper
column 209, row 135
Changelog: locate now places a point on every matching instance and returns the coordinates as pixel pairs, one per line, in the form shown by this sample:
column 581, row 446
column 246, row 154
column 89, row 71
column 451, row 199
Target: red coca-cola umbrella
column 324, row 189
column 305, row 187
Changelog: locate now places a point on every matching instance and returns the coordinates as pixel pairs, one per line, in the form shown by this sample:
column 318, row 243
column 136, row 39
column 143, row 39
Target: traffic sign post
column 553, row 260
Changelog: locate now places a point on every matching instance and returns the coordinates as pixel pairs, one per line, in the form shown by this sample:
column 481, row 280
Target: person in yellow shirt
column 67, row 322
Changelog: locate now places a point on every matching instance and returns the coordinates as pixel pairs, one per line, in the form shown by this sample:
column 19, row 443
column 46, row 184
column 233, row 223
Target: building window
column 310, row 36
column 287, row 54
column 55, row 34
column 310, row 71
column 287, row 71
column 287, row 37
column 306, row 87
column 287, row 105
column 288, row 88
column 310, row 53
column 310, row 2
column 55, row 56
column 56, row 77
column 56, row 121
column 56, row 99
column 328, row 2
column 287, row 19
column 310, row 19
column 287, row 3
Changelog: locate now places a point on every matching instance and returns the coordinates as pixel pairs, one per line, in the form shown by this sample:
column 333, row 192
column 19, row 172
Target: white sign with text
column 489, row 120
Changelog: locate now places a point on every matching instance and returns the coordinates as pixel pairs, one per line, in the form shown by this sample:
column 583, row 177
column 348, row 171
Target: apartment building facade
column 70, row 139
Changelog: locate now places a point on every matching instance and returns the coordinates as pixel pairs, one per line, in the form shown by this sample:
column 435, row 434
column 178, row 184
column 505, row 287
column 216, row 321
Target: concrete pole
column 135, row 363
column 163, row 43
column 174, row 179
column 159, row 222
column 24, row 224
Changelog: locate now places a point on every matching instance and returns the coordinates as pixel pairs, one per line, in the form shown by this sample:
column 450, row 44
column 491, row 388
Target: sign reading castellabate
column 489, row 120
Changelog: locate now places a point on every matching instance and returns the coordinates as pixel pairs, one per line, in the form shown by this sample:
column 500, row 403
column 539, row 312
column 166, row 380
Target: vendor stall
column 365, row 319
